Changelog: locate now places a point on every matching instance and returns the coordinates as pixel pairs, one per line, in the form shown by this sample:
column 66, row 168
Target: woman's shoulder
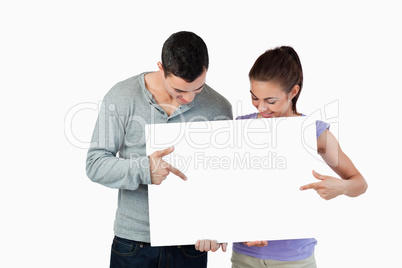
column 320, row 126
column 247, row 116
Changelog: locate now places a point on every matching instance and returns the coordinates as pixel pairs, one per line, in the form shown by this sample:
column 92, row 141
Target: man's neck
column 154, row 84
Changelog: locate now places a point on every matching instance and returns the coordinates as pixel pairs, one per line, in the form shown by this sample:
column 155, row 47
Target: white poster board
column 243, row 181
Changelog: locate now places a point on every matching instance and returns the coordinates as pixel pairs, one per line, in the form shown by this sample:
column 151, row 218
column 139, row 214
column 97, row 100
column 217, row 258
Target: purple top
column 320, row 125
column 282, row 250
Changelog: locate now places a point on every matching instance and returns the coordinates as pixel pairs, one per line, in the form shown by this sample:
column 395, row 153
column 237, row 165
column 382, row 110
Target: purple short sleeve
column 320, row 127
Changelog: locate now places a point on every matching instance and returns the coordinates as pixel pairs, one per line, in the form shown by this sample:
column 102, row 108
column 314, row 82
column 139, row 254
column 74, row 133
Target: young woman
column 276, row 81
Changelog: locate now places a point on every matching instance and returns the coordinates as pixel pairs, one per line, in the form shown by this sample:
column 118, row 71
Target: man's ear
column 160, row 67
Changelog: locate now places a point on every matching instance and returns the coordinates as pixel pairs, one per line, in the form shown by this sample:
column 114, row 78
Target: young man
column 175, row 93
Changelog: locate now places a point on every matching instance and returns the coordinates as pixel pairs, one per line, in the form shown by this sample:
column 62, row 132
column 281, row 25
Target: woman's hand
column 259, row 244
column 328, row 187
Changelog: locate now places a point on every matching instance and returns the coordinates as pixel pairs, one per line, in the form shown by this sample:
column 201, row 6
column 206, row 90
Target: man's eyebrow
column 192, row 90
column 269, row 98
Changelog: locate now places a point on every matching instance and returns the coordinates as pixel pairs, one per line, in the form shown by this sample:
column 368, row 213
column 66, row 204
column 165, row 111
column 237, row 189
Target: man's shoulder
column 208, row 94
column 126, row 90
column 129, row 85
column 125, row 95
column 213, row 103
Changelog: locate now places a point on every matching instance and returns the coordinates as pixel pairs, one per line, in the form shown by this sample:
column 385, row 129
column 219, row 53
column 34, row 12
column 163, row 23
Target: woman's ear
column 294, row 91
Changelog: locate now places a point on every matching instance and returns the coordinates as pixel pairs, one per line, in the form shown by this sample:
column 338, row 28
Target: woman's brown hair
column 281, row 65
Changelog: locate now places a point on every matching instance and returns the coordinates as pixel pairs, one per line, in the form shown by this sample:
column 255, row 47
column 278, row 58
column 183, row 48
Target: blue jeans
column 128, row 253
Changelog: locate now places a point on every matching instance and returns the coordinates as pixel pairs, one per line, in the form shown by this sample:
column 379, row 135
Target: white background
column 55, row 55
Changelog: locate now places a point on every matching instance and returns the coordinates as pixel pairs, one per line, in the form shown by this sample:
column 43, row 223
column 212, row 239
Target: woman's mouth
column 267, row 115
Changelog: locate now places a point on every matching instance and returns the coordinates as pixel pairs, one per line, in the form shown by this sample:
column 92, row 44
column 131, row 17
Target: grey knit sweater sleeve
column 104, row 165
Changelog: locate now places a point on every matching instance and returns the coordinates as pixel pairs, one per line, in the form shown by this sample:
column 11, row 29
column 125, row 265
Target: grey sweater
column 117, row 155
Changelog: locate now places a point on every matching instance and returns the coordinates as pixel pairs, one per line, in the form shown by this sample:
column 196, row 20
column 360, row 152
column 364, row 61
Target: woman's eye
column 254, row 98
column 272, row 102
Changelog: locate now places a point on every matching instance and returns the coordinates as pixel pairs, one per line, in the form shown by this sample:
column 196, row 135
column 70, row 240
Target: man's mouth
column 182, row 100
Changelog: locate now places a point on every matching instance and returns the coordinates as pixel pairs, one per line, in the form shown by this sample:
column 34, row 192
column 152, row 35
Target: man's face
column 181, row 91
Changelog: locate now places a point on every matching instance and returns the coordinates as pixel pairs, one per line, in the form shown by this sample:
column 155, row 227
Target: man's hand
column 160, row 169
column 210, row 245
column 259, row 244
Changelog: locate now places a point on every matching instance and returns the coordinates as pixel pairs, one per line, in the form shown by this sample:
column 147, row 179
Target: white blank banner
column 243, row 181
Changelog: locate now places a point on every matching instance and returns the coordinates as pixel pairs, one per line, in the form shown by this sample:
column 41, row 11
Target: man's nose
column 189, row 96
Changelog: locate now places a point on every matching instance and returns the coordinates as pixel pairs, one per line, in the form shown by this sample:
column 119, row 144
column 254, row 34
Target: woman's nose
column 262, row 107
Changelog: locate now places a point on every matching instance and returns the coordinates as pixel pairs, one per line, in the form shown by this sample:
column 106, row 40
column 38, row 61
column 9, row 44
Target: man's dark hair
column 184, row 54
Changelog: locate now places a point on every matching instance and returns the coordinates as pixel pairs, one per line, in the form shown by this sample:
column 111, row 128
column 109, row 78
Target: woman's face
column 270, row 100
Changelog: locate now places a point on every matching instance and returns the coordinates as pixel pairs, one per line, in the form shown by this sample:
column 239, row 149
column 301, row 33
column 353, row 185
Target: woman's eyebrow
column 269, row 98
